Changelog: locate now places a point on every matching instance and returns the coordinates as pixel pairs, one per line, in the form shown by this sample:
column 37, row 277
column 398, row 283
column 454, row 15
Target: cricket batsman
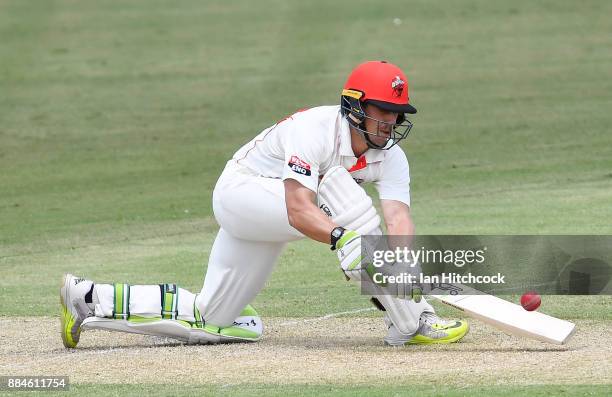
column 299, row 178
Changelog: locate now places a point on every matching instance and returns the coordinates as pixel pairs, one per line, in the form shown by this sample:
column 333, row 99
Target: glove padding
column 358, row 267
column 349, row 253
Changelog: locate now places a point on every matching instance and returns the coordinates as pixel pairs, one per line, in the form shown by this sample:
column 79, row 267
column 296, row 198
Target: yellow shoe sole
column 67, row 319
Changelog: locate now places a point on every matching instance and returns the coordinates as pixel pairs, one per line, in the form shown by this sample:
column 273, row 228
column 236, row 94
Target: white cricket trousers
column 254, row 229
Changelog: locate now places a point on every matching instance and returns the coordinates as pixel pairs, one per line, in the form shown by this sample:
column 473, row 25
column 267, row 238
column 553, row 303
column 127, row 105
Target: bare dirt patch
column 333, row 350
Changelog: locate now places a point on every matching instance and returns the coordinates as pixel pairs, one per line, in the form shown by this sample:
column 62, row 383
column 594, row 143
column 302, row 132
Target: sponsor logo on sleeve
column 299, row 166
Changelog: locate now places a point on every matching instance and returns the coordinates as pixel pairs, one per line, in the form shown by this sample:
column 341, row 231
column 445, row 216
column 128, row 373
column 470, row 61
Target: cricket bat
column 504, row 315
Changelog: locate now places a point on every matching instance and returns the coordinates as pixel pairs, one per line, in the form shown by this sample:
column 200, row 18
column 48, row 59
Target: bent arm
column 304, row 215
column 397, row 218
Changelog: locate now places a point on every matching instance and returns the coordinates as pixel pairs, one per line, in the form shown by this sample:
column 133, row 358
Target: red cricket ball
column 530, row 300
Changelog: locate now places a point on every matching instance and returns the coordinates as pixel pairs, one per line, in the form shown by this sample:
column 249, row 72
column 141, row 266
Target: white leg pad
column 350, row 207
column 145, row 316
column 166, row 328
column 103, row 300
column 143, row 301
column 185, row 305
column 172, row 329
column 405, row 314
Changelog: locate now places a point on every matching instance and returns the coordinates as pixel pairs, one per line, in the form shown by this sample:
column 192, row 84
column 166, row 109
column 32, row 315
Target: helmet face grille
column 393, row 132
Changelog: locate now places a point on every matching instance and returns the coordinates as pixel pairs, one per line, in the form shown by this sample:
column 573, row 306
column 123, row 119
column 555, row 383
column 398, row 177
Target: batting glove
column 357, row 266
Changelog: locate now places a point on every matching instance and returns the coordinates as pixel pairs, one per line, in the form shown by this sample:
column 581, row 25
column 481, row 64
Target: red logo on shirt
column 300, row 166
column 360, row 164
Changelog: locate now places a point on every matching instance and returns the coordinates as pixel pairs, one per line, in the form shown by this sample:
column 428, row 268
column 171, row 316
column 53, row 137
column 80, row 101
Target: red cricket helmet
column 385, row 86
column 382, row 84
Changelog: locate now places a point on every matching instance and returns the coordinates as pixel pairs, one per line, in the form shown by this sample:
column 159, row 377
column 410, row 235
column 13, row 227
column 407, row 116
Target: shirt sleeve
column 305, row 150
column 394, row 181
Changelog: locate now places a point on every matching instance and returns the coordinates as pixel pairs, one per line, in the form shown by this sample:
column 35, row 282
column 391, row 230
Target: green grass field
column 116, row 118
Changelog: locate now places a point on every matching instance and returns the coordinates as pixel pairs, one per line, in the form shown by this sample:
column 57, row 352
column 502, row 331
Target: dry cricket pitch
column 323, row 351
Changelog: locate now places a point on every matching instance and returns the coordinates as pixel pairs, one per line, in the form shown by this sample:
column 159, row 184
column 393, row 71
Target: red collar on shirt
column 360, row 164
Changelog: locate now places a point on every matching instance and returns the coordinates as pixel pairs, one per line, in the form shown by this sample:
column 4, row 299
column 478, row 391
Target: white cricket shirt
column 308, row 143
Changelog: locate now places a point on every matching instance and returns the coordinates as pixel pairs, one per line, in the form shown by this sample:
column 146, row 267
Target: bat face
column 504, row 315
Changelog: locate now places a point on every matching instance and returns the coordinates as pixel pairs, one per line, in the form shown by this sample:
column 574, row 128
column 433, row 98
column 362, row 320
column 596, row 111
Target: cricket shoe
column 432, row 329
column 74, row 308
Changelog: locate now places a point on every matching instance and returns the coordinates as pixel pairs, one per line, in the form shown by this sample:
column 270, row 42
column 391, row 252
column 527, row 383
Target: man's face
column 381, row 130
